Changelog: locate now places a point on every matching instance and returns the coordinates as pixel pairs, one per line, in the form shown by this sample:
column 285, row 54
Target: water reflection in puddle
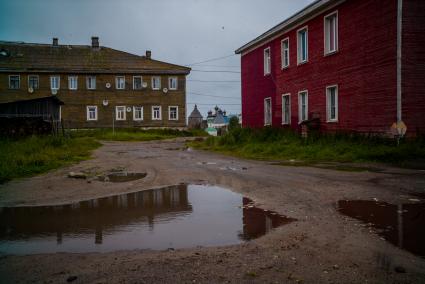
column 402, row 225
column 174, row 217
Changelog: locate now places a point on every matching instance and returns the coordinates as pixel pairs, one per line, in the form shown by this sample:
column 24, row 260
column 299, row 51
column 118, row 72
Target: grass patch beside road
column 35, row 155
column 135, row 134
column 277, row 144
column 39, row 154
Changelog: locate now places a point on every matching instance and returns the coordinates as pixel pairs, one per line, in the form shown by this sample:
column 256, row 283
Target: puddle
column 122, row 177
column 402, row 225
column 180, row 216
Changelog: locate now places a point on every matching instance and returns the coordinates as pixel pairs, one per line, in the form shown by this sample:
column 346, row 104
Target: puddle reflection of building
column 257, row 222
column 402, row 225
column 94, row 215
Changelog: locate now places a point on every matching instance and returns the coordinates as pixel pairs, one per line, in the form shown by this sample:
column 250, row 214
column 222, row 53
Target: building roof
column 317, row 6
column 195, row 113
column 34, row 57
column 219, row 118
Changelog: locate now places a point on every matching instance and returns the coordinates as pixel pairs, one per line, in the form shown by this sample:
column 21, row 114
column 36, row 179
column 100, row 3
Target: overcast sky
column 177, row 31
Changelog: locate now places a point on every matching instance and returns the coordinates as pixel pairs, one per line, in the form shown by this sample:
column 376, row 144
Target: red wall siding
column 364, row 68
column 413, row 66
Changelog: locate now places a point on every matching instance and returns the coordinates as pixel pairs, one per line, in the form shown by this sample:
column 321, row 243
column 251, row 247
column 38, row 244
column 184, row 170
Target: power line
column 215, row 71
column 212, row 104
column 223, row 66
column 204, row 95
column 213, row 59
column 212, row 81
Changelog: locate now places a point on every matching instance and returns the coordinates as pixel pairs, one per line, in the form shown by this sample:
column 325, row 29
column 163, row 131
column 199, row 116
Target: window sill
column 285, row 67
column 331, row 53
column 332, row 121
column 286, row 123
column 302, row 63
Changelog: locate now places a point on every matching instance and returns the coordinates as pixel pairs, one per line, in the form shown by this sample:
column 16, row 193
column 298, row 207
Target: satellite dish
column 105, row 103
column 108, row 85
column 54, row 91
column 128, row 109
column 145, row 85
column 165, row 90
column 30, row 90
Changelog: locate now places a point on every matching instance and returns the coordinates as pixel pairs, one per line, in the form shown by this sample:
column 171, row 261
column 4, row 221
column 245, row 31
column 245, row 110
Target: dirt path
column 321, row 247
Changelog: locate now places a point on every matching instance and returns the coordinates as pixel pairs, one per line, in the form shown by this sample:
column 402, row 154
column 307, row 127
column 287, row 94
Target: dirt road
column 321, row 247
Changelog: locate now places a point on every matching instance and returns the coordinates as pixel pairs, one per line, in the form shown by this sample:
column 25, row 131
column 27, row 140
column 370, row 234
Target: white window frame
column 117, row 83
column 141, row 83
column 284, row 66
column 327, row 50
column 289, row 110
column 51, row 82
column 70, row 78
column 265, row 112
column 169, row 113
column 170, row 84
column 134, row 113
column 87, row 82
column 160, row 113
column 300, row 106
column 267, row 61
column 88, row 113
column 299, row 47
column 38, row 81
column 19, row 82
column 328, row 104
column 124, row 108
column 152, row 82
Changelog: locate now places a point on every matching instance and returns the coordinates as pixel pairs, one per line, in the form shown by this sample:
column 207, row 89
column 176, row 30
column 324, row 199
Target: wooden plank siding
column 364, row 68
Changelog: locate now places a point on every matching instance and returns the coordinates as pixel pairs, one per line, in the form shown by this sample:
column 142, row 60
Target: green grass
column 39, row 154
column 135, row 134
column 35, row 155
column 277, row 145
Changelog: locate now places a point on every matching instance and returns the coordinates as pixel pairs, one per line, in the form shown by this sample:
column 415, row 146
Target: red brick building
column 353, row 65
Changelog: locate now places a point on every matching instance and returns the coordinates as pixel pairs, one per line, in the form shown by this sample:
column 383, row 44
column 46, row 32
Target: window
column 33, row 82
column 331, row 33
column 156, row 83
column 332, row 103
column 91, row 112
column 72, row 82
column 172, row 83
column 137, row 113
column 120, row 113
column 120, row 82
column 286, row 109
column 302, row 36
column 267, row 111
column 156, row 113
column 302, row 106
column 285, row 53
column 267, row 61
column 137, row 82
column 54, row 82
column 14, row 82
column 91, row 82
column 173, row 113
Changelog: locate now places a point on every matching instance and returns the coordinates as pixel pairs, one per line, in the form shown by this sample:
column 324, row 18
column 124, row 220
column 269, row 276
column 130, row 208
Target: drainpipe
column 399, row 53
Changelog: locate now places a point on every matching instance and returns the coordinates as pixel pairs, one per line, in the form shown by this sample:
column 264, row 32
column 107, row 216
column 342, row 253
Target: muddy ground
column 321, row 247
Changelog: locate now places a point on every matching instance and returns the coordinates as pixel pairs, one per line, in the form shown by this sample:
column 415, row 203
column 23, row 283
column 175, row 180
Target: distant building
column 217, row 122
column 99, row 86
column 195, row 119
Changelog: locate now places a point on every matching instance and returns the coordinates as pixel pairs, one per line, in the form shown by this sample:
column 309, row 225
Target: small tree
column 233, row 123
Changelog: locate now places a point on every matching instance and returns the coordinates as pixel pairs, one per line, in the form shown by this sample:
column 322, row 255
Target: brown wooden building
column 99, row 86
